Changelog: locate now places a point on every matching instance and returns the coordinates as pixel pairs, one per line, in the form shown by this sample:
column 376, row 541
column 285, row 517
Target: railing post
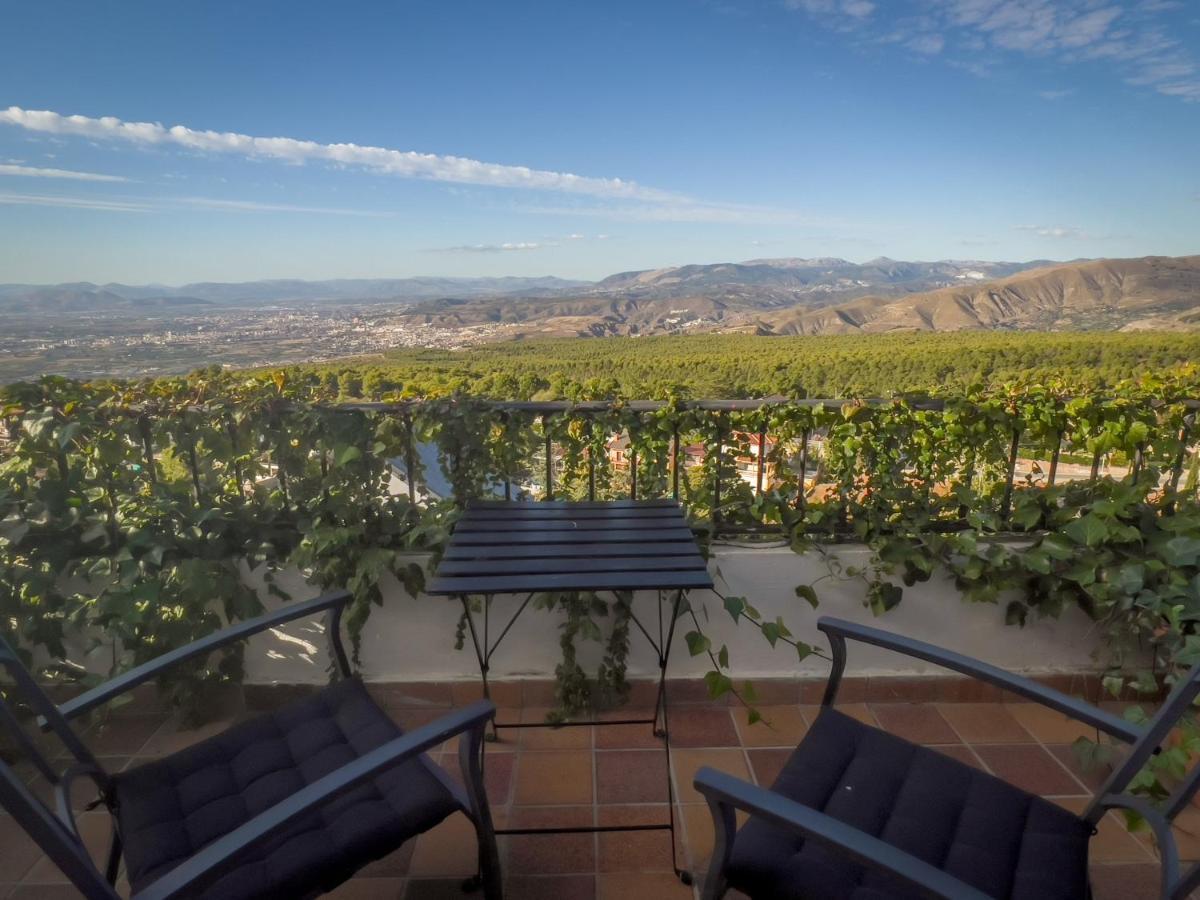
column 591, row 460
column 143, row 425
column 1185, row 433
column 410, row 457
column 1010, row 475
column 632, row 469
column 549, row 458
column 716, row 507
column 762, row 453
column 675, row 462
column 1058, row 439
column 801, row 496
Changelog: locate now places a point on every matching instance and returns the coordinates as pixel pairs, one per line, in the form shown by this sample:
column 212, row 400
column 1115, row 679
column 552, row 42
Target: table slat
column 572, row 536
column 471, row 525
column 541, row 565
column 555, row 549
column 571, row 581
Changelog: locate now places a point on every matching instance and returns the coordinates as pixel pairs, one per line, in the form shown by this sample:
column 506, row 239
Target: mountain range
column 764, row 296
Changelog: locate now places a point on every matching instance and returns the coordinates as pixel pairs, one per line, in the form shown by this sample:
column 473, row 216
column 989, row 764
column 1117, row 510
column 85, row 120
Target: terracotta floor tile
column 369, row 888
column 960, row 752
column 1030, row 768
column 1113, row 843
column 767, row 764
column 445, row 851
column 550, row 854
column 702, row 727
column 1092, row 778
column 781, row 726
column 1187, row 833
column 916, row 722
column 1048, row 725
column 698, row 835
column 550, row 887
column 642, row 886
column 577, row 737
column 44, row 892
column 634, row 851
column 171, row 738
column 498, row 768
column 123, row 735
column 687, row 762
column 983, row 723
column 18, row 852
column 96, row 830
column 1125, row 882
column 553, row 776
column 631, row 776
column 394, row 865
column 627, row 737
column 436, row 889
column 859, row 711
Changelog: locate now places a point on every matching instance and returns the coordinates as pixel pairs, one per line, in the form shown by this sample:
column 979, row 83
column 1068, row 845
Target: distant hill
column 85, row 296
column 1113, row 295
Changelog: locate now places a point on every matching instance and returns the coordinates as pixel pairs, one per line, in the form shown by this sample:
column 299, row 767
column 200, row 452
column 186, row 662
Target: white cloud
column 676, row 211
column 34, row 172
column 255, row 206
column 1051, row 96
column 72, row 203
column 1065, row 232
column 493, row 248
column 402, row 163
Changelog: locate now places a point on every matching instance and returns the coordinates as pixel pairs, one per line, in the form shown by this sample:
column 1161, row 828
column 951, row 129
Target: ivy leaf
column 723, row 657
column 1181, row 551
column 348, row 455
column 735, row 606
column 1015, row 613
column 753, row 716
column 697, row 643
column 770, row 631
column 806, row 592
column 803, row 650
column 1089, row 530
column 719, row 684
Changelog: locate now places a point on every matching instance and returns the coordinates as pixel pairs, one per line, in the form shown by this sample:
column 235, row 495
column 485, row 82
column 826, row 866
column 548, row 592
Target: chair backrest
column 52, row 828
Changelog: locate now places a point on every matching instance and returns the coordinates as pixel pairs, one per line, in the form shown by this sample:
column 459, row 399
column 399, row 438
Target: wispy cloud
column 675, row 211
column 255, row 206
column 1127, row 34
column 381, row 160
column 1052, row 96
column 68, row 174
column 1064, row 232
column 72, row 202
column 492, row 248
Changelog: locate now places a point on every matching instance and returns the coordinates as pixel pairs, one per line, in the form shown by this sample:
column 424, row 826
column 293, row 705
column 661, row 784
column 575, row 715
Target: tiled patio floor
column 613, row 775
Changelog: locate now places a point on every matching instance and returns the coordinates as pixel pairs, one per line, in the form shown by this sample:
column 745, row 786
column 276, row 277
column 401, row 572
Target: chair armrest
column 208, row 865
column 126, row 681
column 722, row 790
column 839, row 630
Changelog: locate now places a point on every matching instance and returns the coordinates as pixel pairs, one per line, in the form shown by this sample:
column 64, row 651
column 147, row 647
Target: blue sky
column 144, row 141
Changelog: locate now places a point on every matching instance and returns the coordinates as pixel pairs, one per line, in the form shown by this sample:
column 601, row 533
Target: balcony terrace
column 277, row 495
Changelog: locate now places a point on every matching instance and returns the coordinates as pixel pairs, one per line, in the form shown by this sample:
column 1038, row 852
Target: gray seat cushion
column 173, row 807
column 1001, row 840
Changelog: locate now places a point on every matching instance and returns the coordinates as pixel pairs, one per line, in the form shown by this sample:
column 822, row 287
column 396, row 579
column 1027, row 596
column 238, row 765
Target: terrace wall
column 411, row 639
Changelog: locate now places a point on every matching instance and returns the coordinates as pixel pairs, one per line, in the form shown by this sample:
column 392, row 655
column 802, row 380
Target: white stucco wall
column 411, row 639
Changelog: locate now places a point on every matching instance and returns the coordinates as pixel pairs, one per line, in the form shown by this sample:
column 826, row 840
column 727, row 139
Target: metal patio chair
column 859, row 814
column 287, row 804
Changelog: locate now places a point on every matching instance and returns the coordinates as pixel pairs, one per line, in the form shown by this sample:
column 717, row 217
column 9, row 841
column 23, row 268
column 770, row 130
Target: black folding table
column 515, row 548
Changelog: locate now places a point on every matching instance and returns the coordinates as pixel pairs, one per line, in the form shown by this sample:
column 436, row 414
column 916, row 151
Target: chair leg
column 470, row 758
column 724, row 828
column 489, row 860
